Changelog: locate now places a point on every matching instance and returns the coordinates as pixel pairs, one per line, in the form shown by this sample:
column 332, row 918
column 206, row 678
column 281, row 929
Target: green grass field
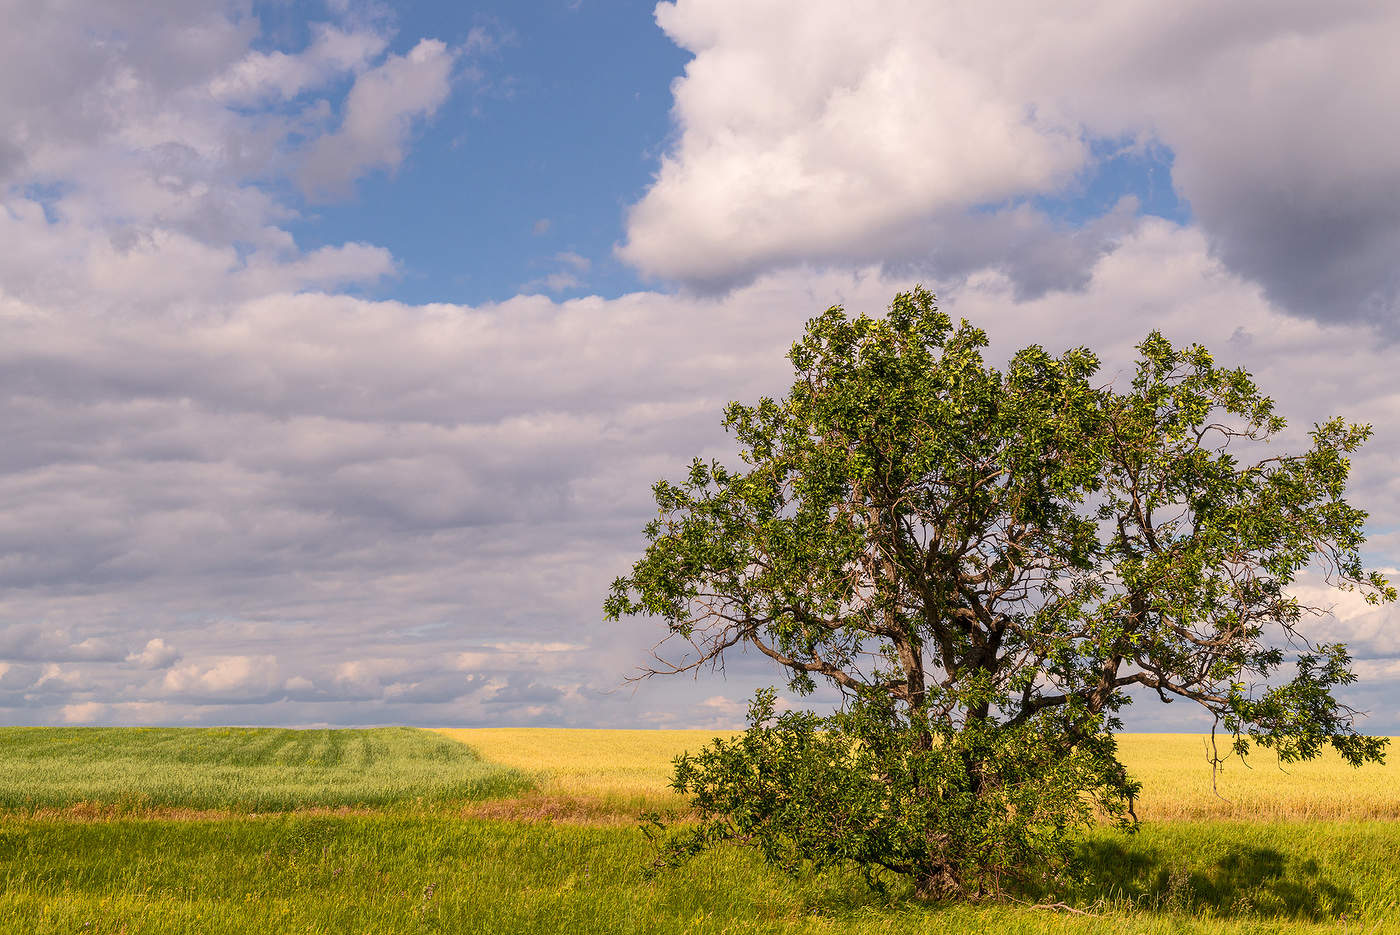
column 132, row 769
column 422, row 851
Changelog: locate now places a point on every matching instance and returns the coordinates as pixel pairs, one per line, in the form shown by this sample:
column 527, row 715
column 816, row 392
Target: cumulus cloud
column 157, row 654
column 806, row 134
column 238, row 678
column 143, row 137
column 809, row 134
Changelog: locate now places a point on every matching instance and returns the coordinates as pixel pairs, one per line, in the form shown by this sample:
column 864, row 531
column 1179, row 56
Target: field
column 128, row 770
column 632, row 767
column 120, row 830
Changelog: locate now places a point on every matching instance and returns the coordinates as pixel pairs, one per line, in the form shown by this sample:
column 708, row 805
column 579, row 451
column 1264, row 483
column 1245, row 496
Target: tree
column 983, row 563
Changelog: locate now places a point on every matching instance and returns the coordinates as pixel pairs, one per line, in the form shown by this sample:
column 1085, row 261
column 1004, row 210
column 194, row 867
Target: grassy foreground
column 392, row 873
column 396, row 866
column 133, row 769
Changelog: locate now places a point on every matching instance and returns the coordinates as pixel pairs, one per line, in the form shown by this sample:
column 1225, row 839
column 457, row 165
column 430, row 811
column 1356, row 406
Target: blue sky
column 340, row 342
column 541, row 157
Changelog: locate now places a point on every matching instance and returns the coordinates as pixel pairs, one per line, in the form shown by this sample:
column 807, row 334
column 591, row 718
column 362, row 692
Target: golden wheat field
column 583, row 772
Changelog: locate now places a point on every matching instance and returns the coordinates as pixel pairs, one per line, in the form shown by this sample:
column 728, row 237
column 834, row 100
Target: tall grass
column 396, row 872
column 132, row 769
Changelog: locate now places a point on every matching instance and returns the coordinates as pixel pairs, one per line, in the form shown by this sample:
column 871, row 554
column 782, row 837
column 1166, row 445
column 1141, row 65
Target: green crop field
column 132, row 769
column 387, row 831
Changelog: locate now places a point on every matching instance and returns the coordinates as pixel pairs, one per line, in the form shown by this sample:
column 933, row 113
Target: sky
column 341, row 341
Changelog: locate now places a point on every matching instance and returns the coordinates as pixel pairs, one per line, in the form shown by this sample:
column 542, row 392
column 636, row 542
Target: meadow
column 307, row 832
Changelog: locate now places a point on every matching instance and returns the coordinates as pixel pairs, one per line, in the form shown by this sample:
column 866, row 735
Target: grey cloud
column 1036, row 255
column 419, row 494
column 15, row 677
column 1324, row 254
column 518, row 691
column 448, row 480
column 37, row 643
column 1280, row 125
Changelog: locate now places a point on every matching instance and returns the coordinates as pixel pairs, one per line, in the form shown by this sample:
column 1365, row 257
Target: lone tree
column 984, row 563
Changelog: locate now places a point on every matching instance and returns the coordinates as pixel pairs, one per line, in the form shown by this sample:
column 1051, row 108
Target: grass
column 122, row 770
column 391, row 873
column 1302, row 854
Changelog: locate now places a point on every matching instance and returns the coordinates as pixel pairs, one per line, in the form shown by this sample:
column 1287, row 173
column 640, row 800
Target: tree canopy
column 984, row 563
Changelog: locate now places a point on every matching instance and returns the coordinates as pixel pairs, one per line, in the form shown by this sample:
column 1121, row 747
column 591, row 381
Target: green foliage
column 983, row 563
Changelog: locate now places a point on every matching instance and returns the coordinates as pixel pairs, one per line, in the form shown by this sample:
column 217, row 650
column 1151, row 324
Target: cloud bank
column 237, row 493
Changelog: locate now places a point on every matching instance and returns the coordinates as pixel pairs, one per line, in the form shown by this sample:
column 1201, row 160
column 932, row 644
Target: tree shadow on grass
column 1241, row 880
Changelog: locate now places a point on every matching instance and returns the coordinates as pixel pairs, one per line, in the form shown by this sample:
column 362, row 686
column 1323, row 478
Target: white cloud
column 157, row 654
column 809, row 135
column 721, row 712
column 122, row 712
column 299, row 685
column 86, row 712
column 531, row 648
column 232, row 678
column 142, row 163
column 380, row 112
column 1377, row 670
column 332, row 51
column 574, row 261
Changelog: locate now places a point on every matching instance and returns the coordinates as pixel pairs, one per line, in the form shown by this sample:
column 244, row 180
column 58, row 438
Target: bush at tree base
column 967, row 814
